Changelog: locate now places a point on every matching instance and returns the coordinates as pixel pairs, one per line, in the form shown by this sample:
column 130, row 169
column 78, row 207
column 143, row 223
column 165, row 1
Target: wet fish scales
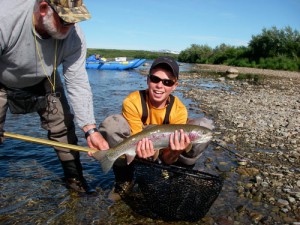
column 159, row 135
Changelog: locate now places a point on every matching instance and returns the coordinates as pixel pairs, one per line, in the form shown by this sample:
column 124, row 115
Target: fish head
column 200, row 135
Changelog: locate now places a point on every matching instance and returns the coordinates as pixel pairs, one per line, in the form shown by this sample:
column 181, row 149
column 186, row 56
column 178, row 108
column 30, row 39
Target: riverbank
column 262, row 121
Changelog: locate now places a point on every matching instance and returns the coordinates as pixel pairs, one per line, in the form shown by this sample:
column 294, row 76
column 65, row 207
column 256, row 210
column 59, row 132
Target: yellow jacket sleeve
column 132, row 111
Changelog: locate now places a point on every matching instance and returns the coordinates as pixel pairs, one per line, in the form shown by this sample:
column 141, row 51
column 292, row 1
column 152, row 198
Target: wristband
column 90, row 131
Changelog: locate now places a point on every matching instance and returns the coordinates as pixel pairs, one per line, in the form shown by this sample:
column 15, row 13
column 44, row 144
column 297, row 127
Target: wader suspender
column 145, row 109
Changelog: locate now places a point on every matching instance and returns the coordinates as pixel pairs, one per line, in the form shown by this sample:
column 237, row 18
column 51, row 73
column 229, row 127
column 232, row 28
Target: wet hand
column 179, row 141
column 145, row 148
column 96, row 141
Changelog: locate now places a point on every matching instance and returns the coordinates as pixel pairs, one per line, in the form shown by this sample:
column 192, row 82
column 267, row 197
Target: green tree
column 274, row 43
column 224, row 54
column 196, row 54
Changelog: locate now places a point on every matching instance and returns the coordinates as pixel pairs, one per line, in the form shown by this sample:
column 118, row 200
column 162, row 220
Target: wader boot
column 123, row 179
column 74, row 178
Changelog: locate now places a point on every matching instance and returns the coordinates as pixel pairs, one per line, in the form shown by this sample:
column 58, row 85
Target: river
column 32, row 190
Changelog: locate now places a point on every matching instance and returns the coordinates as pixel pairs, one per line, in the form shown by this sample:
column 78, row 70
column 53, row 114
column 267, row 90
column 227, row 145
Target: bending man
column 36, row 36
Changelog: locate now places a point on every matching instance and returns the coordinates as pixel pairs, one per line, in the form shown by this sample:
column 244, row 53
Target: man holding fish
column 154, row 106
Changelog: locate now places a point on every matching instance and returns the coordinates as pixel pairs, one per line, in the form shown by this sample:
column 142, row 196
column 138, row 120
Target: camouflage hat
column 71, row 11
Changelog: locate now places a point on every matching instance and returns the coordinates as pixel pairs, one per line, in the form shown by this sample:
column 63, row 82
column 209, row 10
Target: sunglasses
column 156, row 80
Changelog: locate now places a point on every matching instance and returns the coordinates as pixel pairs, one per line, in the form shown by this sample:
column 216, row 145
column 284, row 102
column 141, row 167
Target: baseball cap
column 170, row 62
column 71, row 11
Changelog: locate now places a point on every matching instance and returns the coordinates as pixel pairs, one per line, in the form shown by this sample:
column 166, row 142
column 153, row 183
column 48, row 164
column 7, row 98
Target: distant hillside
column 113, row 53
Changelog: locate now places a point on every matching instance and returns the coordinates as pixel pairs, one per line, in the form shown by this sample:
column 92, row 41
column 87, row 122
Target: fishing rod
column 242, row 159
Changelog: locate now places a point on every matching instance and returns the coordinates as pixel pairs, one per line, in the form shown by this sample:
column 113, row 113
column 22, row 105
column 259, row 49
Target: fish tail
column 105, row 162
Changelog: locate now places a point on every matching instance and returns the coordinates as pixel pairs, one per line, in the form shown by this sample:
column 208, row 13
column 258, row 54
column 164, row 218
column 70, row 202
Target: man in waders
column 36, row 36
column 155, row 105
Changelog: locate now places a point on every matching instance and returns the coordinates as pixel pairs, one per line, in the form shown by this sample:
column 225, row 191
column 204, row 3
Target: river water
column 31, row 187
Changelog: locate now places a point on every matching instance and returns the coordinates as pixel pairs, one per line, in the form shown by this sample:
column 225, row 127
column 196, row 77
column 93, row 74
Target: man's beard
column 50, row 27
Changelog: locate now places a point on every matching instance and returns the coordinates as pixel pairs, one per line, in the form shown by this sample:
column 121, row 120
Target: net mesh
column 173, row 193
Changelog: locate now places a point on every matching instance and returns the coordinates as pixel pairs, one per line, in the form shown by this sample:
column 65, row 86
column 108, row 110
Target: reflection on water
column 31, row 185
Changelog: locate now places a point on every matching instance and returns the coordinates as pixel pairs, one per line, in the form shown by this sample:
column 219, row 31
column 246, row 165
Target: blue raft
column 99, row 64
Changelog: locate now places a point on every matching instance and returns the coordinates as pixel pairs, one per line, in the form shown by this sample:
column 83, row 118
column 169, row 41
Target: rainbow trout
column 158, row 134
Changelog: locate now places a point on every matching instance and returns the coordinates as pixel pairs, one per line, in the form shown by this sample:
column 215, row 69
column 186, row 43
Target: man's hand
column 145, row 148
column 96, row 141
column 171, row 154
column 179, row 145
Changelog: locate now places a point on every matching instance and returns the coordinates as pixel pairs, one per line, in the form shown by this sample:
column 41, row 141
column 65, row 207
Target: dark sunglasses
column 166, row 82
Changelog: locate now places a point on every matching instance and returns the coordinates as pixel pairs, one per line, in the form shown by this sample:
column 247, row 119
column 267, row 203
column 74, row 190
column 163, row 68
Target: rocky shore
column 262, row 122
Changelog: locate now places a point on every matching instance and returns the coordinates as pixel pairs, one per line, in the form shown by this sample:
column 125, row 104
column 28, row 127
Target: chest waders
column 123, row 172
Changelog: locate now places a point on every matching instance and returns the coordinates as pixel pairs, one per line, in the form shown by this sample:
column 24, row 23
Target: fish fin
column 129, row 158
column 149, row 126
column 156, row 154
column 189, row 147
column 202, row 122
column 105, row 162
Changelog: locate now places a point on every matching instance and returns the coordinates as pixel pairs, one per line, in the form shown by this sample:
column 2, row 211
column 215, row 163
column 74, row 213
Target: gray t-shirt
column 20, row 64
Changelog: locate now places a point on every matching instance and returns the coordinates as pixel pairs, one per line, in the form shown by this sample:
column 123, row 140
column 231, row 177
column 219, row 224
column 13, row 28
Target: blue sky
column 176, row 24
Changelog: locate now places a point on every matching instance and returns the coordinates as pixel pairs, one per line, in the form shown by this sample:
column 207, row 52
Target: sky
column 177, row 24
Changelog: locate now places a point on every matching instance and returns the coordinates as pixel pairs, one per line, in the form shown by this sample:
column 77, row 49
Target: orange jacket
column 132, row 111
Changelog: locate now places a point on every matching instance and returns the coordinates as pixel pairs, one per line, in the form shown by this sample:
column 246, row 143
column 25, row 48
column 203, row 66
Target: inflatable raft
column 93, row 63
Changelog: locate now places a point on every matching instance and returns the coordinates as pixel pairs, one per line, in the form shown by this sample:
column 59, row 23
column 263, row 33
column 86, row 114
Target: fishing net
column 173, row 193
